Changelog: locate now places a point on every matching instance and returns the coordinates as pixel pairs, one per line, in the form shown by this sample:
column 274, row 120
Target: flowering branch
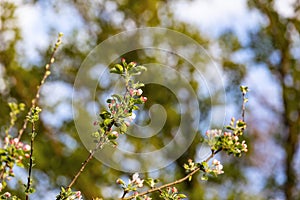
column 117, row 118
column 33, row 116
column 14, row 150
column 188, row 176
column 218, row 141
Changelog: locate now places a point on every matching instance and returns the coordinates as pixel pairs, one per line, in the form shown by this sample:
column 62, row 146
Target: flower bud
column 78, row 194
column 7, row 194
column 139, row 92
column 174, row 190
column 144, row 99
column 26, row 147
column 6, row 140
column 113, row 135
column 120, row 181
column 127, row 123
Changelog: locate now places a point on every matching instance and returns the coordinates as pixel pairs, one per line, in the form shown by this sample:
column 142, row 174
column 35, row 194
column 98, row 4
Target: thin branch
column 243, row 107
column 30, row 162
column 172, row 183
column 46, row 74
column 89, row 158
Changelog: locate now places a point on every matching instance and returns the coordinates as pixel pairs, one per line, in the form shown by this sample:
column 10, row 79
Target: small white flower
column 216, row 162
column 236, row 138
column 136, row 180
column 132, row 117
column 139, row 92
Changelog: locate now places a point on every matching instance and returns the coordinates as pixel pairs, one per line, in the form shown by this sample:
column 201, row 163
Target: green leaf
column 140, row 68
column 204, row 164
column 123, row 128
column 96, row 134
column 137, row 101
column 186, row 166
column 118, row 97
column 119, row 68
column 112, row 136
column 113, row 142
column 131, row 65
column 105, row 114
column 107, row 122
column 204, row 177
column 135, row 107
column 115, row 71
column 244, row 89
column 138, row 85
column 181, row 196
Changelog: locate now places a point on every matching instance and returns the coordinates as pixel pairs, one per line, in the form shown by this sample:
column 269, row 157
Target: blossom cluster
column 228, row 141
column 69, row 194
column 190, row 166
column 119, row 115
column 172, row 194
column 12, row 152
column 133, row 183
column 76, row 196
column 217, row 167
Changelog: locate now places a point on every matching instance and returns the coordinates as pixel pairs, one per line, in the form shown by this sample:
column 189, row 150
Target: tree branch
column 172, row 183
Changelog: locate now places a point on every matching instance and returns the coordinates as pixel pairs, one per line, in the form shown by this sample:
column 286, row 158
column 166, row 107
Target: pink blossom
column 127, row 123
column 132, row 92
column 144, row 99
column 227, row 134
column 14, row 141
column 78, row 194
column 26, row 147
column 7, row 194
column 174, row 190
column 147, row 198
column 115, row 133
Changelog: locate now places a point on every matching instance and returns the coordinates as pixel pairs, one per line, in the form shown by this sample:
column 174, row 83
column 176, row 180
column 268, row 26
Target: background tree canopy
column 265, row 57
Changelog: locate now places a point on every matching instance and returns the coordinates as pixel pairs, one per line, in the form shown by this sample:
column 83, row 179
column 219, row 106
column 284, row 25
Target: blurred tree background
column 271, row 51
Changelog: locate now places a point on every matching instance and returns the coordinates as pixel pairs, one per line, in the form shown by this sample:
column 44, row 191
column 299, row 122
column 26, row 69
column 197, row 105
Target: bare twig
column 30, row 162
column 89, row 158
column 244, row 90
column 46, row 74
